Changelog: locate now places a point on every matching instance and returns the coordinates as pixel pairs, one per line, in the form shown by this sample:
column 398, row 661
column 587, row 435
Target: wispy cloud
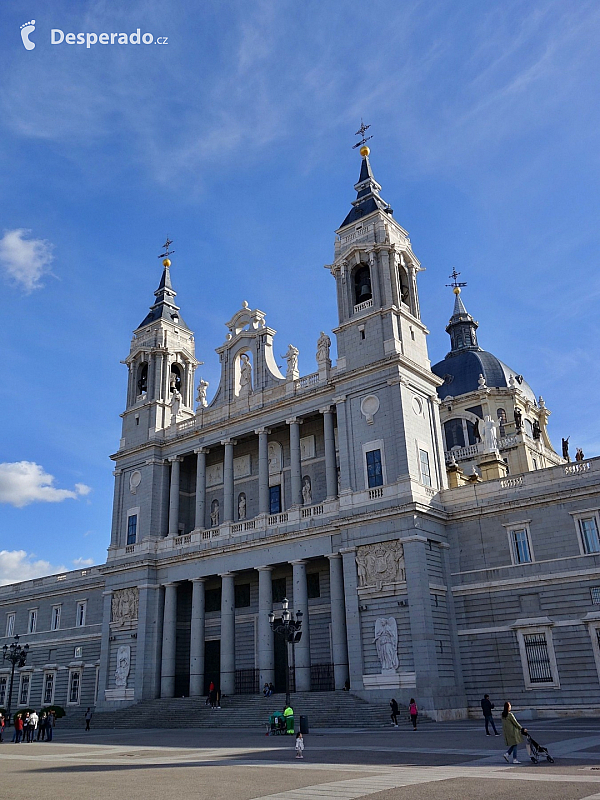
column 18, row 565
column 83, row 562
column 25, row 482
column 25, row 260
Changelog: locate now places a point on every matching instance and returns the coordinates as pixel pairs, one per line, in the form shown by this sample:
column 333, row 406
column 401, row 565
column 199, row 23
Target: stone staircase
column 324, row 710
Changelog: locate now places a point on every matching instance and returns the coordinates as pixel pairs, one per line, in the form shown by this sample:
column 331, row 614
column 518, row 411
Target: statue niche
column 243, row 376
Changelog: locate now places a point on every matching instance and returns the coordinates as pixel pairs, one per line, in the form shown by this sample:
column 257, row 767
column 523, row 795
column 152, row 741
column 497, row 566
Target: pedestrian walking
column 1, row 727
column 49, row 724
column 32, row 727
column 212, row 695
column 88, row 718
column 299, row 745
column 394, row 714
column 41, row 730
column 414, row 712
column 18, row 734
column 486, row 707
column 512, row 733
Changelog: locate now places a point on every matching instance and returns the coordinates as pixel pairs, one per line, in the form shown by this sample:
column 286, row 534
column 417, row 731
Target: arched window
column 501, row 413
column 455, row 436
column 403, row 285
column 142, row 378
column 362, row 284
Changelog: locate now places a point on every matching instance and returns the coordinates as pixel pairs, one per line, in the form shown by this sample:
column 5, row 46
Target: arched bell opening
column 142, row 378
column 175, row 378
column 362, row 284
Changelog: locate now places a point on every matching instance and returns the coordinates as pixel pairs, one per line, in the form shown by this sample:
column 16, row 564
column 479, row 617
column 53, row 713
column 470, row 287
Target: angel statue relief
column 386, row 642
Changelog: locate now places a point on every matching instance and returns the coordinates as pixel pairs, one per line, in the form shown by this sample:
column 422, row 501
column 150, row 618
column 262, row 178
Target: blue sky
column 235, row 139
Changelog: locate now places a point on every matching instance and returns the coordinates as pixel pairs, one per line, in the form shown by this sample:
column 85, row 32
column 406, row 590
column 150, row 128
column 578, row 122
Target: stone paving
column 446, row 761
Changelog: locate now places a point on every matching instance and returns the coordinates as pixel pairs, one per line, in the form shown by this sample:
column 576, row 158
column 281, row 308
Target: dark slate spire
column 367, row 193
column 164, row 307
column 462, row 327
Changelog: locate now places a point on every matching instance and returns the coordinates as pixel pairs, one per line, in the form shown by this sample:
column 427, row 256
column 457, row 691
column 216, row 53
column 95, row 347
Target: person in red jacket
column 18, row 729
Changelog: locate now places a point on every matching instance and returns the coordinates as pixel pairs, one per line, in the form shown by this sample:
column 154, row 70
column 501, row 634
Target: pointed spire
column 462, row 328
column 367, row 188
column 164, row 306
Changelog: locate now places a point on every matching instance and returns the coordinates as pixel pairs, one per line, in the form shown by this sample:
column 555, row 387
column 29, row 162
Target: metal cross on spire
column 361, row 132
column 455, row 284
column 166, row 246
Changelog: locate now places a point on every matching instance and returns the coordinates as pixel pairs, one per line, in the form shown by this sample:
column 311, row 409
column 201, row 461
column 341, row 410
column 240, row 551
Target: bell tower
column 161, row 362
column 376, row 277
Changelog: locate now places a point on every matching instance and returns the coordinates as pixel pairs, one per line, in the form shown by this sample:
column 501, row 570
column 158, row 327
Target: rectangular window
column 132, row 529
column 595, row 593
column 374, row 470
column 3, row 684
column 312, row 585
column 278, row 589
column 242, row 595
column 538, row 659
column 74, row 686
column 24, row 689
column 521, row 550
column 10, row 624
column 80, row 617
column 424, row 465
column 55, row 620
column 32, row 621
column 78, row 652
column 212, row 600
column 588, row 527
column 274, row 499
column 48, row 698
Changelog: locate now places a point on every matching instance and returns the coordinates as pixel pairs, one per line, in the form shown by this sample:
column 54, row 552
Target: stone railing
column 307, row 381
column 577, row 468
column 363, row 306
column 511, row 483
column 461, row 453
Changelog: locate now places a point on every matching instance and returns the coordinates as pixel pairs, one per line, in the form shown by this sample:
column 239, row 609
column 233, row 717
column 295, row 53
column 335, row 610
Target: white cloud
column 24, row 260
column 83, row 562
column 18, row 565
column 25, row 482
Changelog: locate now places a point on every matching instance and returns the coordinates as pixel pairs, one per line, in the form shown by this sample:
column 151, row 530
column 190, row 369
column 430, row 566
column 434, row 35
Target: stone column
column 157, row 377
column 338, row 621
column 412, row 291
column 266, row 658
column 174, row 496
column 295, row 461
column 344, row 445
column 227, row 633
column 185, row 395
column 263, row 470
column 131, row 389
column 197, row 639
column 167, row 672
column 353, row 630
column 200, row 516
column 115, row 535
column 165, row 394
column 303, row 646
column 228, row 480
column 330, row 461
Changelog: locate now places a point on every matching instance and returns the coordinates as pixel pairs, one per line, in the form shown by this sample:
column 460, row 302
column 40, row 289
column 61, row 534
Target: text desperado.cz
column 88, row 39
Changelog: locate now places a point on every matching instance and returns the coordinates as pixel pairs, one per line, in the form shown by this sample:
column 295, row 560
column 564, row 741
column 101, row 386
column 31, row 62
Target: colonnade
column 263, row 473
column 265, row 651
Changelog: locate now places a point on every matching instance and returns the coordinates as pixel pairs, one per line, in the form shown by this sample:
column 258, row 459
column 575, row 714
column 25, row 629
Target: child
column 413, row 711
column 299, row 745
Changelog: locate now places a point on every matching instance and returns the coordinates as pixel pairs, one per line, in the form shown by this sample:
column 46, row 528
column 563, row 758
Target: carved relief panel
column 379, row 565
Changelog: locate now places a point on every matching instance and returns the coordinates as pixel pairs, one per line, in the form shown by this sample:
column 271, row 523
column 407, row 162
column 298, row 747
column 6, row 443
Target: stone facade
column 331, row 490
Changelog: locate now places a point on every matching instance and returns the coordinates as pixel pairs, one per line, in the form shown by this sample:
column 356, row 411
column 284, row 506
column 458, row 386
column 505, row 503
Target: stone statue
column 323, row 345
column 306, row 491
column 537, row 431
column 123, row 666
column 379, row 564
column 386, row 642
column 175, row 405
column 242, row 506
column 518, row 419
column 490, row 439
column 476, row 433
column 291, row 357
column 542, row 402
column 579, row 455
column 481, row 382
column 245, row 375
column 124, row 605
column 565, row 448
column 511, row 381
column 201, row 396
column 174, row 381
column 214, row 514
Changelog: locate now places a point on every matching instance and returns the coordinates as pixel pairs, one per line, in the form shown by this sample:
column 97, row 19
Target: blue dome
column 460, row 372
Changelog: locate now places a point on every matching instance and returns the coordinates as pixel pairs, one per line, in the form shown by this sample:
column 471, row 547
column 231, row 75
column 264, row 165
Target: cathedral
column 417, row 516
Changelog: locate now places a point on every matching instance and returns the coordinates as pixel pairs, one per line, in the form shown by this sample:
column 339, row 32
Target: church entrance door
column 212, row 663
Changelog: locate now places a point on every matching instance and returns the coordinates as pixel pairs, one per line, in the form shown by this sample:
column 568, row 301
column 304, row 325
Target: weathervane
column 455, row 284
column 166, row 246
column 361, row 132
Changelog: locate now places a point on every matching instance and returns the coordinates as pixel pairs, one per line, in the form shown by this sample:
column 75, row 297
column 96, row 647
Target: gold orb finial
column 167, row 262
column 456, row 290
column 364, row 151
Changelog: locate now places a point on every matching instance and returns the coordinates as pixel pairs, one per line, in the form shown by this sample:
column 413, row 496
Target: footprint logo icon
column 26, row 29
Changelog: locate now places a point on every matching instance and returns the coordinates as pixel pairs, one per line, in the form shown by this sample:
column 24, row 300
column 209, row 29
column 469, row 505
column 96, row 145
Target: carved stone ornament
column 124, row 606
column 386, row 642
column 369, row 406
column 380, row 564
column 134, row 480
column 123, row 666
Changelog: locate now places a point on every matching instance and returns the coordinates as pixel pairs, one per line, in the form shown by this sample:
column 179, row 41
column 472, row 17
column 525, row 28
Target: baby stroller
column 535, row 750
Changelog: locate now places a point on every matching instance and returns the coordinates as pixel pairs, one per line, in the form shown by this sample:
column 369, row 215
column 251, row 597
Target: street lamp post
column 288, row 627
column 17, row 655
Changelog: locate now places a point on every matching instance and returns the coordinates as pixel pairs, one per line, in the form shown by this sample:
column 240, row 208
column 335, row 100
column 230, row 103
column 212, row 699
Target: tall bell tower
column 161, row 362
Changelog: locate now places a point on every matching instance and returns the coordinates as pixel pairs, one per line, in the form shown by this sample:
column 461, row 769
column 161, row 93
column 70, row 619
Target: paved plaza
column 445, row 761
